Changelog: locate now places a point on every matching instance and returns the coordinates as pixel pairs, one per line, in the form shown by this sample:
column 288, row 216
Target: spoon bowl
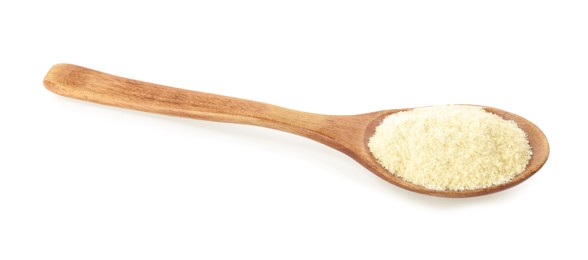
column 349, row 134
column 537, row 141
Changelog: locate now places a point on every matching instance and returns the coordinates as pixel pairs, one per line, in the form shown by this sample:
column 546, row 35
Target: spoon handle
column 90, row 85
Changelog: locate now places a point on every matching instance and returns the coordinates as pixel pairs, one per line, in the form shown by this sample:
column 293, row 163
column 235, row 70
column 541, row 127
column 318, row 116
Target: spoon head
column 537, row 141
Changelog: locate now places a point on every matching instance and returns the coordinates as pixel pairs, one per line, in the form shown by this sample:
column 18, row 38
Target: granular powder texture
column 454, row 147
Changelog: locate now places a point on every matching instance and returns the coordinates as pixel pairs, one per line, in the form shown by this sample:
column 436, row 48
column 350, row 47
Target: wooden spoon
column 346, row 133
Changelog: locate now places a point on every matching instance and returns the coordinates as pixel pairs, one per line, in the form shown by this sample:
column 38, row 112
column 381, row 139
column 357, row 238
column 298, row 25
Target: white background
column 85, row 181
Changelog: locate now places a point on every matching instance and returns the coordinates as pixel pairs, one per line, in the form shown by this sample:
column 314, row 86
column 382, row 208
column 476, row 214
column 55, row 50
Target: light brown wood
column 348, row 134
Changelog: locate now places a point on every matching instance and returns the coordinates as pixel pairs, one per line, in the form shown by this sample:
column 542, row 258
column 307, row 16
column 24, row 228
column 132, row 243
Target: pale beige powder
column 452, row 147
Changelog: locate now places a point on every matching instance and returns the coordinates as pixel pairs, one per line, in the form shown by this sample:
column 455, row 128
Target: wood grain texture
column 346, row 133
